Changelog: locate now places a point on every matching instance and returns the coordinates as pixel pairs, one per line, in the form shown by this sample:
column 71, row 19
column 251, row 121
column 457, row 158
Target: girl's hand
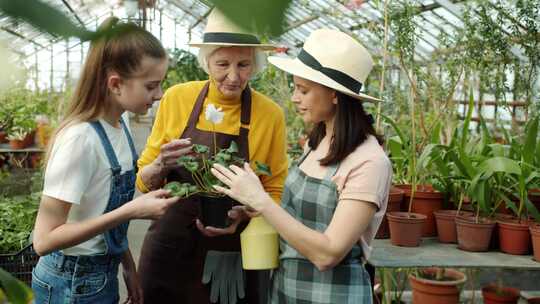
column 170, row 152
column 151, row 205
column 244, row 185
column 131, row 278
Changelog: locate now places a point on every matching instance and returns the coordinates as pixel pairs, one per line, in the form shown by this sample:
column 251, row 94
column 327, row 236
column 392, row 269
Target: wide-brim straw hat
column 333, row 59
column 220, row 31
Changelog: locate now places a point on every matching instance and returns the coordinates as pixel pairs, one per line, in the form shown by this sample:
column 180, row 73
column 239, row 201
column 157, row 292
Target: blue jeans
column 58, row 278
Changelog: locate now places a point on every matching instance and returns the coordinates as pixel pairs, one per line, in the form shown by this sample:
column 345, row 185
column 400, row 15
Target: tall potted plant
column 514, row 235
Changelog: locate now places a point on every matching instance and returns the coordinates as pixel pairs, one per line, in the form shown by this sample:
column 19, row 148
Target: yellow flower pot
column 260, row 245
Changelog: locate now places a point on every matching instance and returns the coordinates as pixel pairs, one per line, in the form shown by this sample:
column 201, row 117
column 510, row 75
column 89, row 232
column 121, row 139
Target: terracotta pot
column 495, row 244
column 17, row 144
column 3, row 137
column 395, row 197
column 431, row 291
column 405, row 228
column 514, row 236
column 425, row 201
column 535, row 236
column 472, row 235
column 30, row 139
column 504, row 295
column 446, row 225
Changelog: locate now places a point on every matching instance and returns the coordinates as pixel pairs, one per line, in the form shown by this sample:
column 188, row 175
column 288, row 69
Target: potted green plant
column 214, row 205
column 19, row 137
column 514, row 235
column 405, row 227
column 496, row 293
column 436, row 285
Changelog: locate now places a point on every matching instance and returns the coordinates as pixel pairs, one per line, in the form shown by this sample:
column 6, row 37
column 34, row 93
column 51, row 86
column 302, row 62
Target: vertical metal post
column 160, row 25
column 67, row 60
column 52, row 67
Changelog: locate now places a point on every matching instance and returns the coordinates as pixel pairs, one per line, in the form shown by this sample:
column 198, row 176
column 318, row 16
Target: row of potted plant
column 476, row 171
column 25, row 117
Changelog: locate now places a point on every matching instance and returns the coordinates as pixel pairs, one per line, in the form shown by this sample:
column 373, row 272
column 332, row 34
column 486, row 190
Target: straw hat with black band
column 333, row 59
column 220, row 31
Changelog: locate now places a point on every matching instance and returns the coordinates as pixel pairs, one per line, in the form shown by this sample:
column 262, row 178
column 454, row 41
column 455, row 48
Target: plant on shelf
column 436, row 285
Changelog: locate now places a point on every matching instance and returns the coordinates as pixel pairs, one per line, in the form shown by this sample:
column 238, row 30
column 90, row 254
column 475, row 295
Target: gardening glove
column 224, row 269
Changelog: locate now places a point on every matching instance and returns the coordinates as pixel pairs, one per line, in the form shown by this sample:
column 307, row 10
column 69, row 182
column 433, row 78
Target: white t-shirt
column 79, row 172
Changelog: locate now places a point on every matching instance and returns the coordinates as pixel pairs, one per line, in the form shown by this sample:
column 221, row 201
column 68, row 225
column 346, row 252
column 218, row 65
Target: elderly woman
column 335, row 199
column 178, row 251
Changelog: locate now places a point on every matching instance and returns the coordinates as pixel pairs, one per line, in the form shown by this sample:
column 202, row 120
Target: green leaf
column 499, row 164
column 200, row 148
column 185, row 159
column 45, row 18
column 233, row 148
column 262, row 169
column 191, row 166
column 531, row 133
column 16, row 291
column 263, row 17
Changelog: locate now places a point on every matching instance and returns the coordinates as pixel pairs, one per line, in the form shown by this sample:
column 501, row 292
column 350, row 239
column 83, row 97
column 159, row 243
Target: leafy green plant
column 17, row 215
column 199, row 164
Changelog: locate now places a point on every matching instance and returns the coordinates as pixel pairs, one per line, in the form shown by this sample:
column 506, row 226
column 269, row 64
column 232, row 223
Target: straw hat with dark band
column 333, row 59
column 222, row 32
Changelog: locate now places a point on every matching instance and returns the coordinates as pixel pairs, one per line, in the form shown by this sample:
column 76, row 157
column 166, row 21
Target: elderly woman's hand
column 244, row 185
column 154, row 174
column 171, row 151
column 237, row 214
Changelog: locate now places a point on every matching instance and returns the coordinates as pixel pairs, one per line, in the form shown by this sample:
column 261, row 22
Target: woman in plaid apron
column 334, row 199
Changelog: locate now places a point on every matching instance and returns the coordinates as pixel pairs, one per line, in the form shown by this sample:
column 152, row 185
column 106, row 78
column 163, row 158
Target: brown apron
column 173, row 253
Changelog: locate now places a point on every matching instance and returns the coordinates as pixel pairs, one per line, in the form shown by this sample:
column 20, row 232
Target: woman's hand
column 151, row 205
column 153, row 174
column 171, row 151
column 131, row 278
column 237, row 214
column 244, row 185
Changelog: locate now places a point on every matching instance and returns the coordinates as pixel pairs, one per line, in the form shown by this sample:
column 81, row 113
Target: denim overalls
column 58, row 278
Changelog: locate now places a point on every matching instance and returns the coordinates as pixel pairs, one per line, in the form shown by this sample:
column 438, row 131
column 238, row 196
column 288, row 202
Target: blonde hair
column 259, row 57
column 121, row 48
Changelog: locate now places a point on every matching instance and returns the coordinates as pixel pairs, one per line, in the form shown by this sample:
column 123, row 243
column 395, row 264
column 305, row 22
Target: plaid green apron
column 313, row 201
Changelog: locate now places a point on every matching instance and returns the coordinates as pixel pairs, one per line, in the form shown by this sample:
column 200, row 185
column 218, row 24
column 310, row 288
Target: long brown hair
column 121, row 48
column 352, row 126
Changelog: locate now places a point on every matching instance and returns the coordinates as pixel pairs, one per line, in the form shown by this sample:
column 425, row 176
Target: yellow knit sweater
column 267, row 139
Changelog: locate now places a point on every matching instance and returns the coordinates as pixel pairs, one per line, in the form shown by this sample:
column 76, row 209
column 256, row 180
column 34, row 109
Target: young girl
column 333, row 202
column 81, row 226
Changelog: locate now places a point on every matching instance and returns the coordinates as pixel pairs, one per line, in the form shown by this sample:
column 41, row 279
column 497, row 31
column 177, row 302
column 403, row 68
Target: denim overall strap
column 131, row 144
column 109, row 151
column 122, row 189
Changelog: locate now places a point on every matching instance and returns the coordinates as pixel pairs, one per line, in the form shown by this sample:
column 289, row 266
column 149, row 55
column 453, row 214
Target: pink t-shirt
column 366, row 175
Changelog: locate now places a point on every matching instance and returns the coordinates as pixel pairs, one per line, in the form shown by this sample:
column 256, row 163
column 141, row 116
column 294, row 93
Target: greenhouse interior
column 143, row 143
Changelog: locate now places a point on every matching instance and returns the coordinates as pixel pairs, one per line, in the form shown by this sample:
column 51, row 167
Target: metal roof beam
column 73, row 12
column 12, row 32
